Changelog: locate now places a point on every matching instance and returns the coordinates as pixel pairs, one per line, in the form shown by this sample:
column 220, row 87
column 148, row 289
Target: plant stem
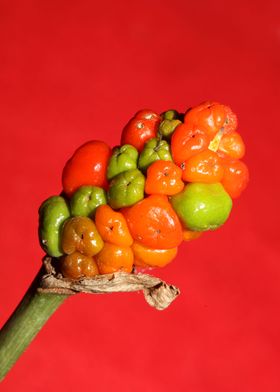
column 37, row 307
column 26, row 321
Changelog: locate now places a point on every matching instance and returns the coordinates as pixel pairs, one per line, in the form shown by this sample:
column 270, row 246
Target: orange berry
column 210, row 117
column 154, row 223
column 112, row 226
column 114, row 258
column 235, row 178
column 205, row 167
column 186, row 142
column 148, row 257
column 163, row 177
column 232, row 145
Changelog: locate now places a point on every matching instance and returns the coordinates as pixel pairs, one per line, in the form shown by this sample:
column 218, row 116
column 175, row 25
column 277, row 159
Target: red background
column 75, row 70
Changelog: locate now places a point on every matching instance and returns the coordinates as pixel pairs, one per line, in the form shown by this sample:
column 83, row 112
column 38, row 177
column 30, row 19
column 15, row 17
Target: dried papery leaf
column 157, row 293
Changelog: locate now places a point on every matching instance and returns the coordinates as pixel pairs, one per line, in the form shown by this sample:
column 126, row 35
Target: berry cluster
column 173, row 177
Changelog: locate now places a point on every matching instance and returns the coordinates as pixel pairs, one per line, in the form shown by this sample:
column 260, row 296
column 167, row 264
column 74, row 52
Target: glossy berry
column 148, row 114
column 80, row 234
column 235, row 178
column 148, row 257
column 112, row 226
column 87, row 166
column 163, row 178
column 138, row 131
column 205, row 167
column 113, row 258
column 210, row 117
column 77, row 265
column 186, row 142
column 232, row 145
column 202, row 207
column 153, row 223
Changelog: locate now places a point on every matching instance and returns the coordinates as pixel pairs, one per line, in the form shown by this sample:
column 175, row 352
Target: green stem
column 26, row 321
